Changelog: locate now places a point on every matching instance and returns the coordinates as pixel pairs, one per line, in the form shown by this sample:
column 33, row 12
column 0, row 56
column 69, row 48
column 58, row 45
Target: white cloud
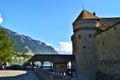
column 65, row 48
column 1, row 19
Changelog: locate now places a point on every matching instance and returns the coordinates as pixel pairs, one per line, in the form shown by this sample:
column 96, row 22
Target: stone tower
column 83, row 40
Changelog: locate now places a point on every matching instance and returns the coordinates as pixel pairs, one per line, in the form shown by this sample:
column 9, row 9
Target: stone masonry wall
column 83, row 41
column 108, row 50
column 46, row 75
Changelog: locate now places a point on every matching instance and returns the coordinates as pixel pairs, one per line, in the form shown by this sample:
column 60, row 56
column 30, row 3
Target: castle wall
column 84, row 50
column 92, row 56
column 108, row 50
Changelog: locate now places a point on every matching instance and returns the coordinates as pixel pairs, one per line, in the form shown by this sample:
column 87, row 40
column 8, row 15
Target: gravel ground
column 17, row 75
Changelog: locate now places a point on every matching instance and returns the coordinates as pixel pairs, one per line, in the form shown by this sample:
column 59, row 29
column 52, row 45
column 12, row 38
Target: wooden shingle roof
column 86, row 15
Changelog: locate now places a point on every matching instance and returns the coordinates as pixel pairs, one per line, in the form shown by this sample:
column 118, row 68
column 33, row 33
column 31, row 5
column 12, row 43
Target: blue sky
column 51, row 21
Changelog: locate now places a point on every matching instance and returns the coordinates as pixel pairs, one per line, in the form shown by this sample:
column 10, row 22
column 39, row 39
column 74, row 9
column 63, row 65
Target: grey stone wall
column 108, row 50
column 46, row 75
column 84, row 49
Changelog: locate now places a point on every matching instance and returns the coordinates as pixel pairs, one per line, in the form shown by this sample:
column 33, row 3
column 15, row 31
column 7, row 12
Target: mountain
column 28, row 46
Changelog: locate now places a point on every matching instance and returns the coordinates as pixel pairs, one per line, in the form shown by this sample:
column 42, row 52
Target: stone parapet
column 46, row 75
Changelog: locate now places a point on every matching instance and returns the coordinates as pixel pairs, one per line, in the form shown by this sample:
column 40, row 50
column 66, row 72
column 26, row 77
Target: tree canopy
column 6, row 47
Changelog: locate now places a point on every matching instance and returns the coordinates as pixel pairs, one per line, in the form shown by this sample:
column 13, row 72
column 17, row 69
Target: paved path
column 18, row 75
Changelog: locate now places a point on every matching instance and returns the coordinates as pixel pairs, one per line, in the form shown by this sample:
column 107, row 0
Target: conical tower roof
column 86, row 15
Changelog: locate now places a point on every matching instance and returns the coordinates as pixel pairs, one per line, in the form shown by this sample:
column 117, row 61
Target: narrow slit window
column 79, row 36
column 84, row 47
column 90, row 35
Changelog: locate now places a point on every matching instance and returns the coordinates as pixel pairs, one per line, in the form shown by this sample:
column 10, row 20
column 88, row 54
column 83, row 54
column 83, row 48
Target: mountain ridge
column 26, row 45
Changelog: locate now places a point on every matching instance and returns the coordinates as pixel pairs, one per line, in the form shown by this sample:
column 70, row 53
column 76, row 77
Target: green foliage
column 6, row 47
column 21, row 59
column 19, row 46
column 26, row 64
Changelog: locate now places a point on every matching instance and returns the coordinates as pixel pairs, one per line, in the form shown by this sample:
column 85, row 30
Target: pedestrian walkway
column 31, row 76
column 17, row 75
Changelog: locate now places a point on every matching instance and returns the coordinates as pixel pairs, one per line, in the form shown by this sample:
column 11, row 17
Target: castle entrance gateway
column 58, row 63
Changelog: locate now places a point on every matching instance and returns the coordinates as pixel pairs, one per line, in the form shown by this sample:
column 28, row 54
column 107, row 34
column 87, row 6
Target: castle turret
column 83, row 39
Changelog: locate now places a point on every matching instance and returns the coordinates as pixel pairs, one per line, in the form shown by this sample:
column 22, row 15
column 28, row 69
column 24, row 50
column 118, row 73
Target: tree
column 6, row 47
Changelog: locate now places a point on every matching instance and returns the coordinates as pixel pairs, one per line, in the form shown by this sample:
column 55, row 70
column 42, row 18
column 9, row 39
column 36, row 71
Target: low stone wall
column 46, row 75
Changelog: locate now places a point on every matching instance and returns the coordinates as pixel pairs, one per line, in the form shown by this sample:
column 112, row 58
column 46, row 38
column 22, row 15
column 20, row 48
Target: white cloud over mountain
column 1, row 19
column 65, row 48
